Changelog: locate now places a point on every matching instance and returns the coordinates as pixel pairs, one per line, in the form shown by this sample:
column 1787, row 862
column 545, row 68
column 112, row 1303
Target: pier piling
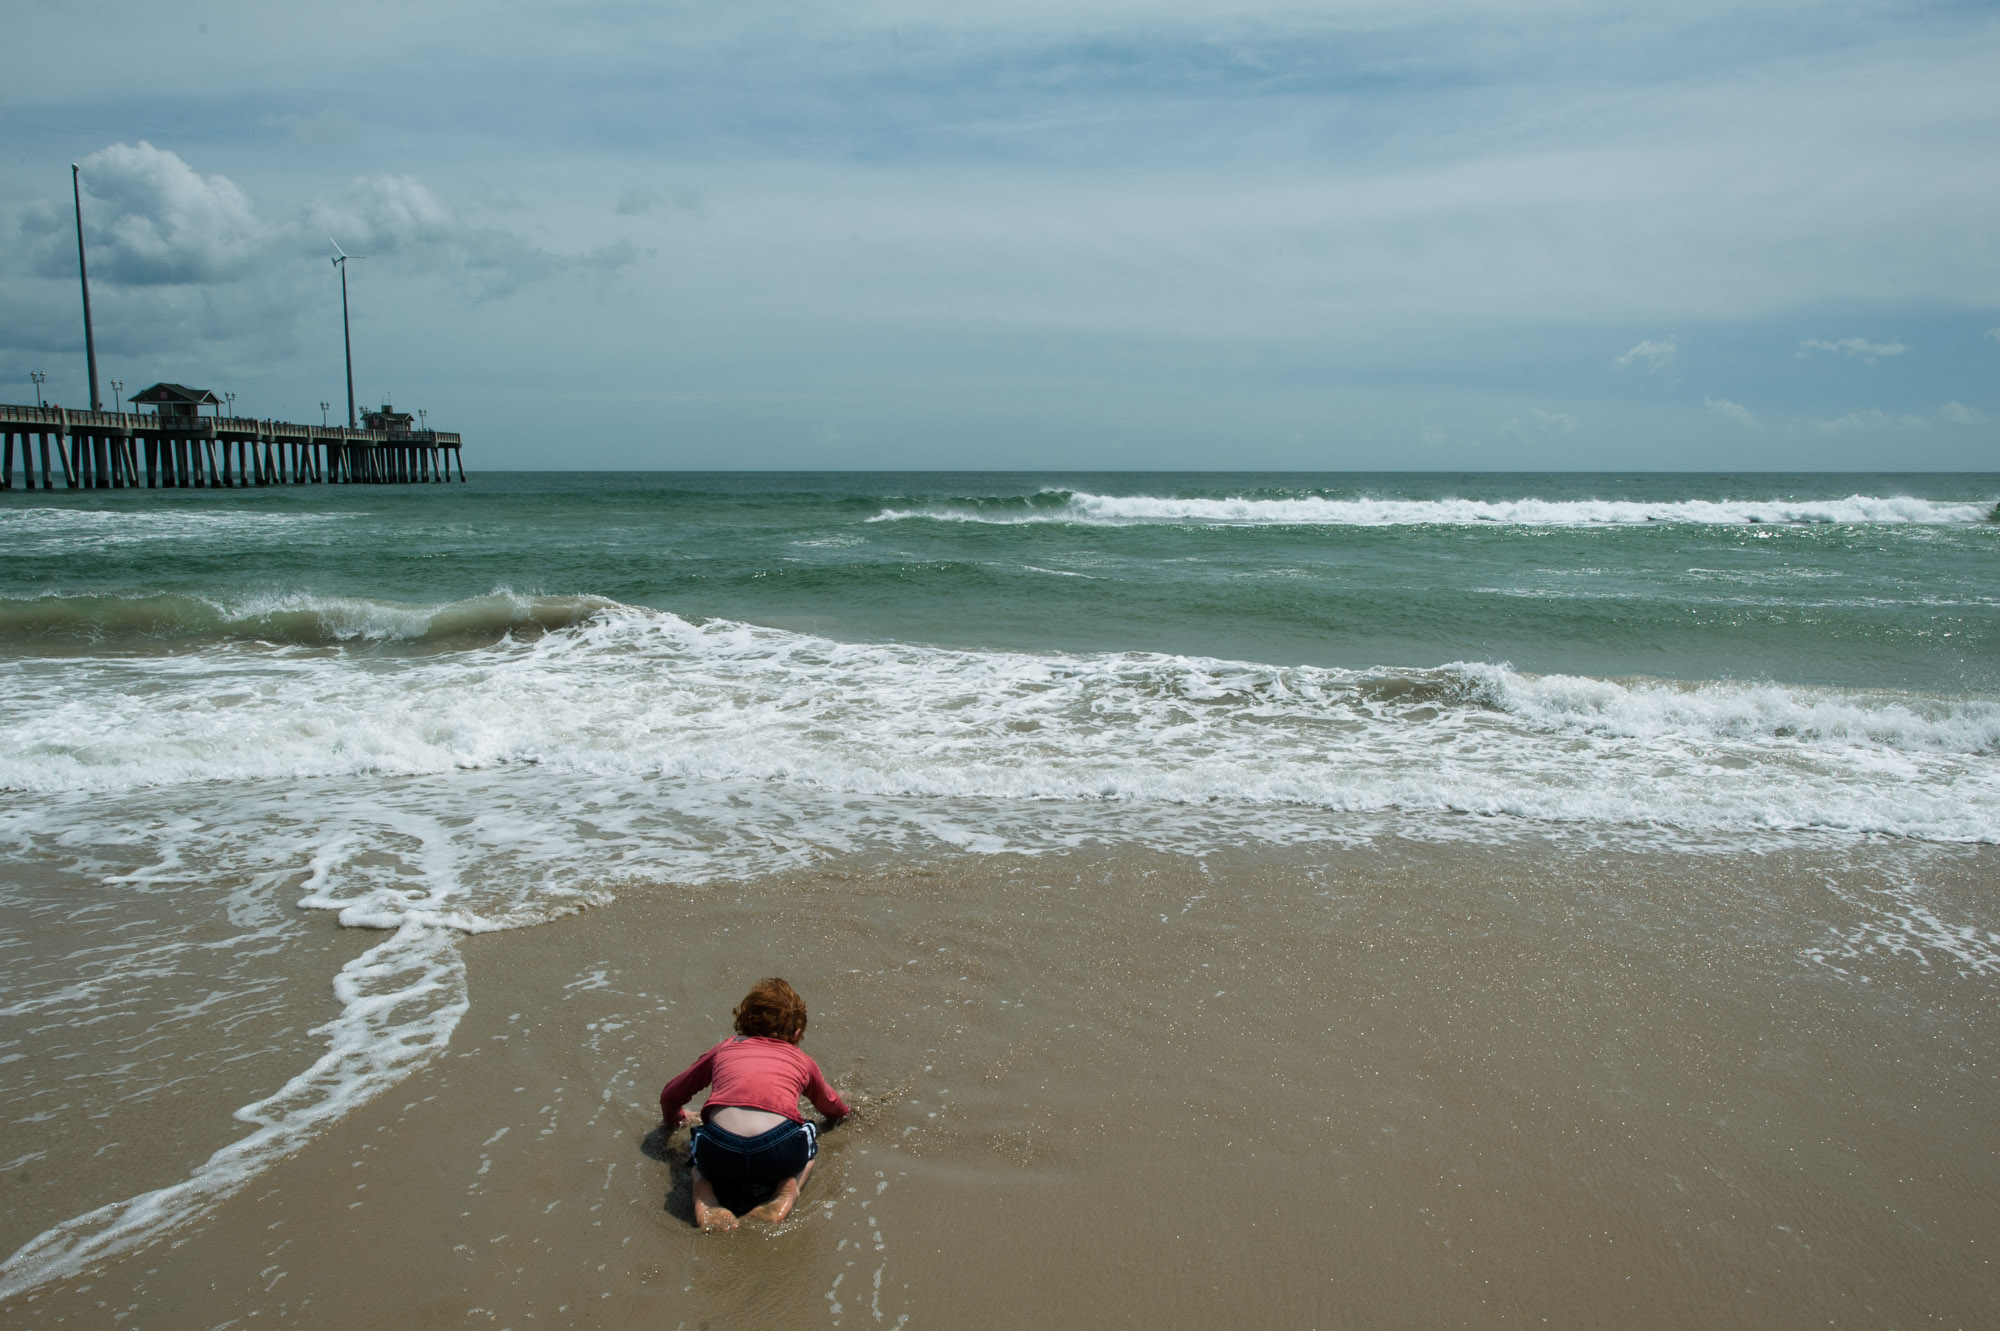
column 109, row 450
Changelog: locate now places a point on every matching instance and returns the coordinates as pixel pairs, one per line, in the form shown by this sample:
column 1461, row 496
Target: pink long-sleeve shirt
column 752, row 1072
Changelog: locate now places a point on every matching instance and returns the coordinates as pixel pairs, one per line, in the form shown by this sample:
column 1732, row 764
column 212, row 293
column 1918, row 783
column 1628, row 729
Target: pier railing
column 111, row 450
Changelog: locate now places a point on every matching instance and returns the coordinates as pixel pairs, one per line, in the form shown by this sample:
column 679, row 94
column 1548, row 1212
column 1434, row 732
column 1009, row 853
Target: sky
column 1096, row 234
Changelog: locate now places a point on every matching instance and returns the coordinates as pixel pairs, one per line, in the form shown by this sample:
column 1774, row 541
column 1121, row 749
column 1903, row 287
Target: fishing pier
column 177, row 447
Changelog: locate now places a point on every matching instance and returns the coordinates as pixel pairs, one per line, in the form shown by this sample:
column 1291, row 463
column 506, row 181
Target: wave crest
column 1081, row 507
column 149, row 623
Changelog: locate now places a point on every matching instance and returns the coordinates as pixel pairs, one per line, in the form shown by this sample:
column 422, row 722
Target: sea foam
column 400, row 1002
column 1311, row 510
column 627, row 691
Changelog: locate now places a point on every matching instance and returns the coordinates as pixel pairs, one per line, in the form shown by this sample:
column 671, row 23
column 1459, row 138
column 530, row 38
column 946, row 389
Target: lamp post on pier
column 118, row 392
column 83, row 274
column 39, row 379
column 322, row 413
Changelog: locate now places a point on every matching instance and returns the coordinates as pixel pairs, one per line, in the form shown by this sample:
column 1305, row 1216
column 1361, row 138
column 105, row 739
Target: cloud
column 1993, row 333
column 398, row 216
column 1854, row 346
column 1735, row 411
column 332, row 126
column 1871, row 419
column 151, row 220
column 201, row 277
column 170, row 225
column 1960, row 414
column 499, row 263
column 637, row 200
column 1656, row 356
column 1540, row 425
column 640, row 199
column 383, row 215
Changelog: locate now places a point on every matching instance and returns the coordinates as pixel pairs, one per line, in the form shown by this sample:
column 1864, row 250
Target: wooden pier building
column 176, row 446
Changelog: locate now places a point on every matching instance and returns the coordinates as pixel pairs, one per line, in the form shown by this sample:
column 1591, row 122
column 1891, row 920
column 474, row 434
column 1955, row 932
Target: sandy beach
column 1400, row 1085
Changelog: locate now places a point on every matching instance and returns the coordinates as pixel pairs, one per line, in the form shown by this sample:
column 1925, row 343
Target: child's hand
column 681, row 1119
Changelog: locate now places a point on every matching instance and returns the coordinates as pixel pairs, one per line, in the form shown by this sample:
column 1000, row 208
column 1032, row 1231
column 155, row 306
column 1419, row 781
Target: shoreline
column 1384, row 1084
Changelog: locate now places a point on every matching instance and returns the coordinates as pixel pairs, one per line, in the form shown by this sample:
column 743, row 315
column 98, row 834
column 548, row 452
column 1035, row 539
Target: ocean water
column 428, row 711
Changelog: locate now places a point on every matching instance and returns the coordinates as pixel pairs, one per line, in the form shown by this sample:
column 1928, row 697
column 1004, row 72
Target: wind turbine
column 346, row 340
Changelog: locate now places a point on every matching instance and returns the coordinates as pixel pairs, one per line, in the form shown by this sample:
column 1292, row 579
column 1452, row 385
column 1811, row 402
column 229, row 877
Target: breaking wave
column 170, row 621
column 1312, row 510
column 643, row 693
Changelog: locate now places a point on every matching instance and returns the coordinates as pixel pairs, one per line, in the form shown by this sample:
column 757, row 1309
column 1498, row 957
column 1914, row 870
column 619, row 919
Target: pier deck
column 111, row 450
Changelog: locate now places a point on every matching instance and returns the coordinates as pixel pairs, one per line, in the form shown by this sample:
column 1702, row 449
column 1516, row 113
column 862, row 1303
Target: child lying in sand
column 751, row 1141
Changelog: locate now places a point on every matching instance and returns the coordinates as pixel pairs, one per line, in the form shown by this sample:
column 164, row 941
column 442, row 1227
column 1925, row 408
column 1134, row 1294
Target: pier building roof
column 388, row 418
column 177, row 395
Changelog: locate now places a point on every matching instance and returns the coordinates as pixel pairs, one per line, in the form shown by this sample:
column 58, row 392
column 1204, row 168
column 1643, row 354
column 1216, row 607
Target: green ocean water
column 1861, row 581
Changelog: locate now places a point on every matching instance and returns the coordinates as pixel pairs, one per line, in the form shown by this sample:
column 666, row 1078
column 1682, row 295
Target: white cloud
column 152, row 220
column 1735, row 411
column 1655, row 355
column 1854, row 346
column 385, row 215
column 1960, row 414
column 1871, row 419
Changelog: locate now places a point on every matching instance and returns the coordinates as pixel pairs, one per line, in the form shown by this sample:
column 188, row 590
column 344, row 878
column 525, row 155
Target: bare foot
column 710, row 1214
column 714, row 1219
column 774, row 1211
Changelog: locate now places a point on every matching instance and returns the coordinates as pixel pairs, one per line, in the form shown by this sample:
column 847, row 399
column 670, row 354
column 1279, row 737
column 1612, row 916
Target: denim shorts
column 753, row 1166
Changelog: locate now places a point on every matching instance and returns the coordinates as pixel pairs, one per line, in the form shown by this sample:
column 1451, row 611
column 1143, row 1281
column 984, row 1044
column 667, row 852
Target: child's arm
column 676, row 1093
column 825, row 1098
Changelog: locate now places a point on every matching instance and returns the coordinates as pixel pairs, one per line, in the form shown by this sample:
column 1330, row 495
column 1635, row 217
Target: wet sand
column 137, row 1016
column 1400, row 1085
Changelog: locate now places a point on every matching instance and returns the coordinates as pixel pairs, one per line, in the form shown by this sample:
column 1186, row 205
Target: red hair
column 774, row 1010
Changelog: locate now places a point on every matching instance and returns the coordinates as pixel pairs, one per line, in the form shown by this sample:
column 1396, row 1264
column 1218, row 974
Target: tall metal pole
column 83, row 271
column 346, row 341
